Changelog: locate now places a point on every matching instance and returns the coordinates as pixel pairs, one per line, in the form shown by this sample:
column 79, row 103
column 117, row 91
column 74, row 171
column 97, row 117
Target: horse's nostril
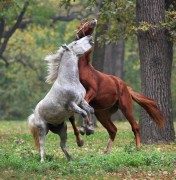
column 94, row 22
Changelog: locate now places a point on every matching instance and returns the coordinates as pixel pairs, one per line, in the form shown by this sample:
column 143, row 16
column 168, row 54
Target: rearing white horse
column 65, row 97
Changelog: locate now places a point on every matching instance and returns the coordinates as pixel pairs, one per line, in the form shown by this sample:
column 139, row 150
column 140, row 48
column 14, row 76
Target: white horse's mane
column 53, row 65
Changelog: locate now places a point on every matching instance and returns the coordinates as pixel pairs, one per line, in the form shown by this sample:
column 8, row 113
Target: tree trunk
column 156, row 54
column 99, row 51
column 113, row 64
column 114, row 59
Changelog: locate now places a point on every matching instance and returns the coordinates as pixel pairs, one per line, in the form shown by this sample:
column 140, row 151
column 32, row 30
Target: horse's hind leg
column 79, row 141
column 63, row 137
column 42, row 134
column 39, row 130
column 127, row 108
column 105, row 120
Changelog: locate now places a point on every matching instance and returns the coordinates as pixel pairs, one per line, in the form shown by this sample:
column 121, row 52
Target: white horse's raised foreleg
column 76, row 109
column 89, row 128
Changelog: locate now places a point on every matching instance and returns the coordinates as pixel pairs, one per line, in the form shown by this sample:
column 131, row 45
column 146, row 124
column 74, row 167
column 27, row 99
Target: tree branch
column 5, row 60
column 2, row 24
column 13, row 29
column 70, row 17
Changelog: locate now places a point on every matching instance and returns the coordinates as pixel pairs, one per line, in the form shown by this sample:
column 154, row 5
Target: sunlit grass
column 20, row 160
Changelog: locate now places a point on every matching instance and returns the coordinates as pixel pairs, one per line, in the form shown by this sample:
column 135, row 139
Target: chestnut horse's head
column 86, row 28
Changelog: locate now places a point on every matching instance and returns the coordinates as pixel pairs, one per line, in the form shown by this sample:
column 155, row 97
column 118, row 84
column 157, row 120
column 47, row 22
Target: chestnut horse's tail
column 34, row 130
column 149, row 105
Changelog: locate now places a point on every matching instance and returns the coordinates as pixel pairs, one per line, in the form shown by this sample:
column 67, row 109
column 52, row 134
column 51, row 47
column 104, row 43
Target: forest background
column 33, row 29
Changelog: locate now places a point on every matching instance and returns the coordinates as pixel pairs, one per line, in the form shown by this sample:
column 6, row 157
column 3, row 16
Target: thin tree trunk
column 156, row 54
column 99, row 51
column 114, row 59
column 118, row 52
column 108, row 59
column 113, row 64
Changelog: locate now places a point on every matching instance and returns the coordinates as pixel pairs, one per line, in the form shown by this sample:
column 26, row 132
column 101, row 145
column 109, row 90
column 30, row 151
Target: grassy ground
column 20, row 160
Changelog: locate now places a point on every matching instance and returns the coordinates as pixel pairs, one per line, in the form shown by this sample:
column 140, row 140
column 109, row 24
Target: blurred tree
column 114, row 58
column 18, row 14
column 6, row 18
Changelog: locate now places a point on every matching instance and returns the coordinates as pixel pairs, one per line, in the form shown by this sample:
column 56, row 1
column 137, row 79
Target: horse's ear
column 65, row 47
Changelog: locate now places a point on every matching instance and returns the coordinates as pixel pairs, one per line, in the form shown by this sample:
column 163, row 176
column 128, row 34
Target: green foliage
column 22, row 83
column 119, row 18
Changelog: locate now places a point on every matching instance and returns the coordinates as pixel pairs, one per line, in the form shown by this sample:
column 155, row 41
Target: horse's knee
column 91, row 110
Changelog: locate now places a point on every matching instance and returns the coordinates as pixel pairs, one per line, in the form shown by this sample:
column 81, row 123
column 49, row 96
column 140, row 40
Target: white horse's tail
column 34, row 130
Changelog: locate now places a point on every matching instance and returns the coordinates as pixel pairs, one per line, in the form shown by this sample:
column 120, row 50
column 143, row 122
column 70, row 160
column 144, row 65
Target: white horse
column 65, row 97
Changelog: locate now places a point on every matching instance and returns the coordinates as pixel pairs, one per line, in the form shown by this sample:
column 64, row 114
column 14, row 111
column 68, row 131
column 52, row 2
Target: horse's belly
column 58, row 119
column 106, row 99
column 55, row 115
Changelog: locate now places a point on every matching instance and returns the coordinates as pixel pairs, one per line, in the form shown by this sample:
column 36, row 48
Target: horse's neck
column 68, row 70
column 84, row 62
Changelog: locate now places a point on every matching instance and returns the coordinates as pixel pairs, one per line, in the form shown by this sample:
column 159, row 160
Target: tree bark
column 156, row 54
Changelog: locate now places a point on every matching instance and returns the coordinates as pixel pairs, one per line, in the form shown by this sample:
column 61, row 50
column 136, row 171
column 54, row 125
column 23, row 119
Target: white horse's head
column 81, row 46
column 77, row 48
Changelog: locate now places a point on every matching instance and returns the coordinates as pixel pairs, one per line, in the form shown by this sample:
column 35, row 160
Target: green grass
column 20, row 160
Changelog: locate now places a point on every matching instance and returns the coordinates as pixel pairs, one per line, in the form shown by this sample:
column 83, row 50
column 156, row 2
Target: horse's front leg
column 76, row 109
column 89, row 127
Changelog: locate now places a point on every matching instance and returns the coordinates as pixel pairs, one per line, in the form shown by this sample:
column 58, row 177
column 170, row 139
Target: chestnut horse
column 107, row 93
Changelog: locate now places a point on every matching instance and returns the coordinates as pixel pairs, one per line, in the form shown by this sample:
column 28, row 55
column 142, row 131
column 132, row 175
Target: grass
column 20, row 160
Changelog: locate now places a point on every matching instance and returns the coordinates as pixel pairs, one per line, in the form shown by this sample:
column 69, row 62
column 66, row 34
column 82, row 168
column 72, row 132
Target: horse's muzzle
column 93, row 23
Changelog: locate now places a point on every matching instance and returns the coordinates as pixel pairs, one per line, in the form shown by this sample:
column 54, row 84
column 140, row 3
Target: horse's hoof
column 105, row 151
column 82, row 131
column 80, row 143
column 89, row 131
column 69, row 158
